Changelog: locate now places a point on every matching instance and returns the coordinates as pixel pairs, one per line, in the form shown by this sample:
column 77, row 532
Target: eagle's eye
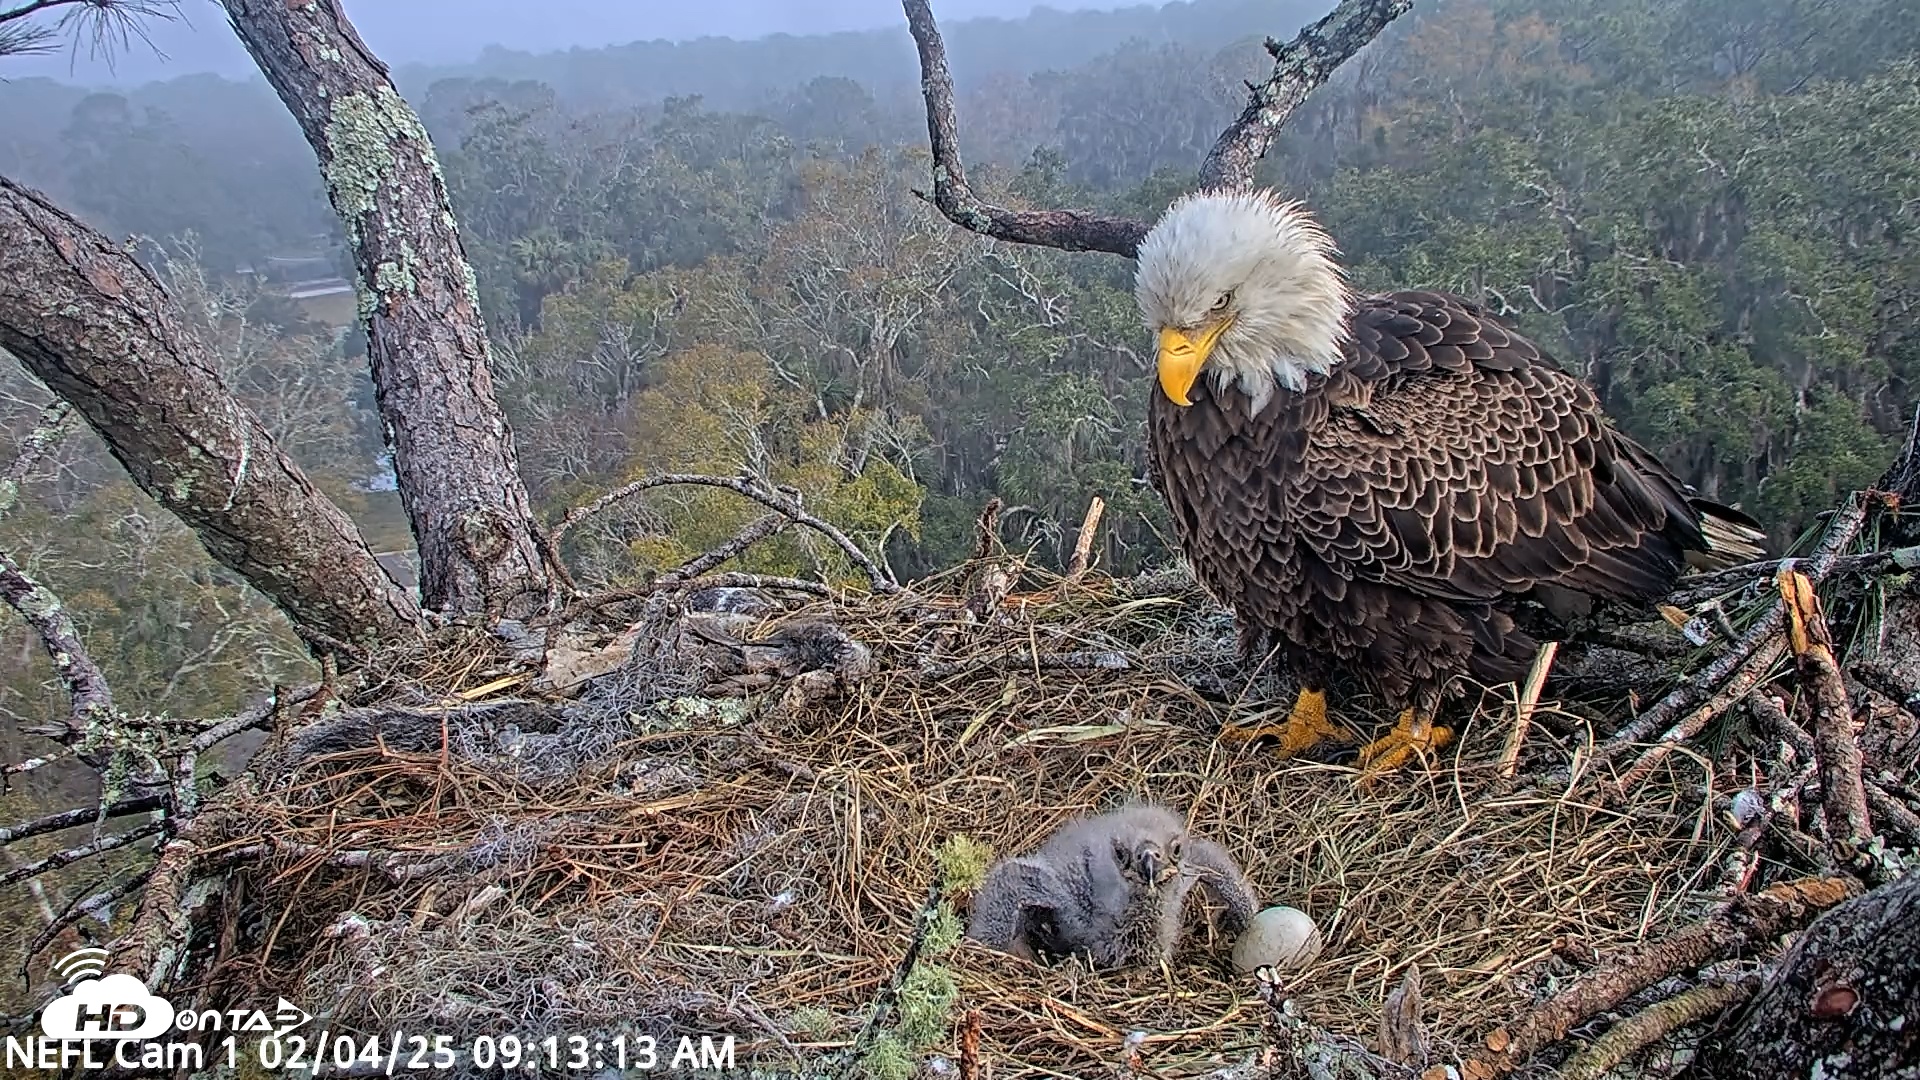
column 1174, row 849
column 1225, row 301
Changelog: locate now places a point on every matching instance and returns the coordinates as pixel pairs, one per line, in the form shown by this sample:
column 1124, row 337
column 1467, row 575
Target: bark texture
column 1844, row 1003
column 453, row 451
column 100, row 331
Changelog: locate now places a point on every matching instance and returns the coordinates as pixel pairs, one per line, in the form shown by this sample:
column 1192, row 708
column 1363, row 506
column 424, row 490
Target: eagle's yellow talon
column 1414, row 733
column 1304, row 728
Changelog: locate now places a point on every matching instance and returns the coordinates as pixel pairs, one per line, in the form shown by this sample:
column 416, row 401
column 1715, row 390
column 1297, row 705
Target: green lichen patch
column 887, row 1059
column 963, row 863
column 926, row 1005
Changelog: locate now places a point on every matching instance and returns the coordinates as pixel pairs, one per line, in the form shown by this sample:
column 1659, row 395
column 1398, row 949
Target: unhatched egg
column 1281, row 937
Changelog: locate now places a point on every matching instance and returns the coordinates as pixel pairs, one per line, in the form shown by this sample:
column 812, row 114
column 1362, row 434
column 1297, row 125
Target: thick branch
column 85, row 815
column 1843, row 795
column 1069, row 230
column 1299, row 67
column 1650, row 1025
column 754, row 533
column 1870, row 563
column 1840, row 533
column 1744, row 922
column 53, row 424
column 99, row 331
column 453, row 451
column 1844, row 1003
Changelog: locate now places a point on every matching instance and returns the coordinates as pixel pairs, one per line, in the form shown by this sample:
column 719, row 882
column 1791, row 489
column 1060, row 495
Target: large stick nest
column 652, row 858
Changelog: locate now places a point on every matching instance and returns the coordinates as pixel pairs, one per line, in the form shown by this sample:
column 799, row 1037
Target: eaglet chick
column 1111, row 889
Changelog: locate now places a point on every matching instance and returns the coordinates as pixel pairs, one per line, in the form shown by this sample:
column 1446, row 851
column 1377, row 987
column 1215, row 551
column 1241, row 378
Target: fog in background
column 404, row 32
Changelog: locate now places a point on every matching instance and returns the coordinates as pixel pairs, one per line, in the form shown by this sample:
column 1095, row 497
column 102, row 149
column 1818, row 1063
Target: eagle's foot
column 1414, row 733
column 1304, row 728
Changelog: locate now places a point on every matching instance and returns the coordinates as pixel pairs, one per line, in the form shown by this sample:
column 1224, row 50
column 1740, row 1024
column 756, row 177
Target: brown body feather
column 1387, row 518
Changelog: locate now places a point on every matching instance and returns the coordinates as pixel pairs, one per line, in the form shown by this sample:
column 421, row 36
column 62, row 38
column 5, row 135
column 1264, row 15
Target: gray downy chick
column 1112, row 889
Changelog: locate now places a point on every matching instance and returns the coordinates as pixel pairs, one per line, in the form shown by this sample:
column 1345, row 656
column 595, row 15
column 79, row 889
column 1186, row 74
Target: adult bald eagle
column 1375, row 483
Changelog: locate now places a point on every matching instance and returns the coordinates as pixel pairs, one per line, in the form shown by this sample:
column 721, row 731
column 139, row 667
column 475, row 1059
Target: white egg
column 1281, row 937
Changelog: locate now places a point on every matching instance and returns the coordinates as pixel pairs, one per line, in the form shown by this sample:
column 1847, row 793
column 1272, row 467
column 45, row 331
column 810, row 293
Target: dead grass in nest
column 754, row 869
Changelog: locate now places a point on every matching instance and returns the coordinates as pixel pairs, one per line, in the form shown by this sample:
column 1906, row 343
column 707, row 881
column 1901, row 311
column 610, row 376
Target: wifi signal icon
column 81, row 964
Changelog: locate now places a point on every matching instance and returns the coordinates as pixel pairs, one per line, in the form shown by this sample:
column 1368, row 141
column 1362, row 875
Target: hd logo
column 116, row 1007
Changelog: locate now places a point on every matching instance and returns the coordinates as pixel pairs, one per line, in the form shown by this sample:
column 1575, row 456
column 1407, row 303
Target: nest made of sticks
column 707, row 842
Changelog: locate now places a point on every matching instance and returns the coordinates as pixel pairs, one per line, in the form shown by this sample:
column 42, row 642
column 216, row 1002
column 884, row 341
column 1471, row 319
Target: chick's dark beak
column 1152, row 862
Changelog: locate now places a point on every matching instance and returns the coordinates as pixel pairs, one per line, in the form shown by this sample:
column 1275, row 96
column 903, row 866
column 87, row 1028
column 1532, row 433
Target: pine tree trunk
column 93, row 325
column 453, row 451
column 1844, row 1005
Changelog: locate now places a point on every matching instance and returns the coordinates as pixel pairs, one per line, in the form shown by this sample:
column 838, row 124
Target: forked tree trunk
column 94, row 326
column 1844, row 1005
column 453, row 451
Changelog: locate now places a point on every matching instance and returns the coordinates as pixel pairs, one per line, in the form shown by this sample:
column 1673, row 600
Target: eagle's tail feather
column 1732, row 537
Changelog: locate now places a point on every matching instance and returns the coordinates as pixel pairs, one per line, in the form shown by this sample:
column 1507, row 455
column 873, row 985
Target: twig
column 260, row 716
column 1523, row 709
column 777, row 501
column 1650, row 1025
column 21, row 767
column 1299, row 67
column 1773, row 716
column 1843, row 796
column 1083, row 544
column 70, row 856
column 54, row 422
column 83, row 907
column 889, row 995
column 390, row 863
column 970, row 1064
column 1694, row 590
column 85, row 815
column 1738, row 687
column 1086, row 659
column 985, row 528
column 1840, row 533
column 721, row 581
column 1741, row 921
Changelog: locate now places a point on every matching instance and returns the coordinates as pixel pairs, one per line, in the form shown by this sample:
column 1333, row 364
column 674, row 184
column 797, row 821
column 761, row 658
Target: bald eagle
column 1375, row 484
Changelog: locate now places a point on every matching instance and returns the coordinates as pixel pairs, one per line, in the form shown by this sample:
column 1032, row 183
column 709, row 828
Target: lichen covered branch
column 43, row 611
column 453, row 450
column 101, row 332
column 1299, row 67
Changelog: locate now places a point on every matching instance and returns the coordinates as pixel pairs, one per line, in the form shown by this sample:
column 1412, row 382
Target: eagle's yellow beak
column 1181, row 358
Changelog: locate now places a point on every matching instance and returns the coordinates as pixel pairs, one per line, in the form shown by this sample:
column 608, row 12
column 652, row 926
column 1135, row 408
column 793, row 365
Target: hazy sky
column 452, row 31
